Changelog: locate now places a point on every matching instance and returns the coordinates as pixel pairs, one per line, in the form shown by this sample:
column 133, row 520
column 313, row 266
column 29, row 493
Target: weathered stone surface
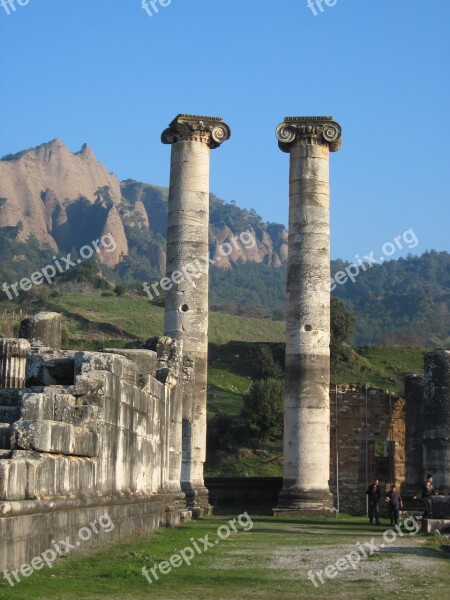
column 54, row 437
column 309, row 141
column 29, row 528
column 186, row 304
column 44, row 405
column 43, row 329
column 145, row 360
column 13, row 355
column 120, row 366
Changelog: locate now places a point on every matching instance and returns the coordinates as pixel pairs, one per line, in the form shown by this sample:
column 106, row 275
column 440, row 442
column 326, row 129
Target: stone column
column 43, row 329
column 414, row 402
column 13, row 362
column 306, row 470
column 186, row 304
column 436, row 419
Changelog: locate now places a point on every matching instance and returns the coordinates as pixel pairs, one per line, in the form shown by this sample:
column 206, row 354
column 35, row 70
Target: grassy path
column 271, row 561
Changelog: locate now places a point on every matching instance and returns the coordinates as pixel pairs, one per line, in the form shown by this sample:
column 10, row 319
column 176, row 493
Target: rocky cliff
column 66, row 200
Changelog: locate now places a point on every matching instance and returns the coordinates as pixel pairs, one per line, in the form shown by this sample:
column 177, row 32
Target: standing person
column 395, row 504
column 374, row 494
column 427, row 494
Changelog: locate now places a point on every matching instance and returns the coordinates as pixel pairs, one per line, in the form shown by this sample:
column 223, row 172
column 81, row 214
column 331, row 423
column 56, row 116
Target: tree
column 342, row 327
column 268, row 368
column 263, row 409
column 120, row 289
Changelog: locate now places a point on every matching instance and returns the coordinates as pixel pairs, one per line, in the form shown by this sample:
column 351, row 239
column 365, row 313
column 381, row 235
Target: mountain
column 65, row 200
column 53, row 201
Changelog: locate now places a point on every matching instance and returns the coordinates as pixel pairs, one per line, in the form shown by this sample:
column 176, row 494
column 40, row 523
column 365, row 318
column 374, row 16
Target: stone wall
column 383, row 450
column 94, row 433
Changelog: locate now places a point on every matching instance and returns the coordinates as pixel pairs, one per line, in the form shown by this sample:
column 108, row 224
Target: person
column 427, row 494
column 395, row 504
column 374, row 494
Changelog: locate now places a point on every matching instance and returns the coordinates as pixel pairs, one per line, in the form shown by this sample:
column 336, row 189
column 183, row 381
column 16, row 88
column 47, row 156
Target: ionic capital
column 317, row 131
column 192, row 128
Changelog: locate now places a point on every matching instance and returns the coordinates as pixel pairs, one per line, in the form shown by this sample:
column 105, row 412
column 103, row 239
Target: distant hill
column 54, row 201
column 403, row 302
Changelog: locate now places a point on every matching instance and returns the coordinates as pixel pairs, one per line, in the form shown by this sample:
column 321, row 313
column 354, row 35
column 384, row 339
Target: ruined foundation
column 93, row 433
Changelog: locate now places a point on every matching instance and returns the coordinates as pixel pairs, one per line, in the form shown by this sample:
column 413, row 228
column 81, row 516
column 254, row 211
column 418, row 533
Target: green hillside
column 95, row 321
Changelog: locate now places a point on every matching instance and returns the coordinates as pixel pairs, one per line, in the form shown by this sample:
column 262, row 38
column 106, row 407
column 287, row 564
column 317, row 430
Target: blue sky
column 105, row 73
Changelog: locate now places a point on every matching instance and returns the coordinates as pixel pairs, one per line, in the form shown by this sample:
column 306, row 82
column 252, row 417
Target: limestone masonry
column 84, row 433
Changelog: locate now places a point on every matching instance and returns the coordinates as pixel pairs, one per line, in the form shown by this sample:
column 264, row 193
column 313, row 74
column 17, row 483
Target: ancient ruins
column 124, row 431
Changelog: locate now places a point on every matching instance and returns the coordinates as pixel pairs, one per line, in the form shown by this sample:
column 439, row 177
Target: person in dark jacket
column 395, row 504
column 374, row 494
column 427, row 494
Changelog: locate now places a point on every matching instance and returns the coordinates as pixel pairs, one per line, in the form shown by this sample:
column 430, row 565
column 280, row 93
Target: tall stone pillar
column 306, row 470
column 414, row 404
column 13, row 362
column 436, row 419
column 186, row 306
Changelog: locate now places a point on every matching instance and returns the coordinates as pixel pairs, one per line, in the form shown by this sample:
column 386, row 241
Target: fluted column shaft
column 306, row 470
column 13, row 362
column 186, row 304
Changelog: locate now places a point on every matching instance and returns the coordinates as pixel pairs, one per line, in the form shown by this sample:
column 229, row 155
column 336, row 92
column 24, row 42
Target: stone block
column 86, row 362
column 44, row 406
column 432, row 525
column 55, row 437
column 13, row 479
column 78, row 415
column 153, row 387
column 145, row 360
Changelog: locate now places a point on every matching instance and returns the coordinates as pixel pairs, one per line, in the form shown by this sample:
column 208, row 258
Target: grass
column 248, row 565
column 93, row 322
column 135, row 318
